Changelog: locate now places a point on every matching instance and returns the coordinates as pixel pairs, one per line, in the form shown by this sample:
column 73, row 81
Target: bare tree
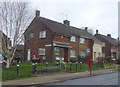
column 91, row 31
column 15, row 18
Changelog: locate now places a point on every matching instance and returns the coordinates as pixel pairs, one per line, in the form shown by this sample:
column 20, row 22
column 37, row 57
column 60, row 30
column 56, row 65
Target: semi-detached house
column 110, row 48
column 49, row 40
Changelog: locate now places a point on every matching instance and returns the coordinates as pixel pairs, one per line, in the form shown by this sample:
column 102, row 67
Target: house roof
column 111, row 40
column 66, row 30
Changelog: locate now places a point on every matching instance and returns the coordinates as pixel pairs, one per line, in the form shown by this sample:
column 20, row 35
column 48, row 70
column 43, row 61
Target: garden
column 29, row 69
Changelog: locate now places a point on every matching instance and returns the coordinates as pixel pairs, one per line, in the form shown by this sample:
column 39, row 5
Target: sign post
column 90, row 61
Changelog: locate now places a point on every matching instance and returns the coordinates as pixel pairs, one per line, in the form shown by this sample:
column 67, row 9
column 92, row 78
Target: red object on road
column 90, row 61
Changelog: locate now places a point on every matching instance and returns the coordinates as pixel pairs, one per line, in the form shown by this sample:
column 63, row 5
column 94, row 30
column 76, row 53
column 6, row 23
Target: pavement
column 55, row 77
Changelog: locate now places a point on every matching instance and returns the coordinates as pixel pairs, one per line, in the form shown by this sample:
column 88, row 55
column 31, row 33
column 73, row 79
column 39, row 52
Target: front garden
column 28, row 69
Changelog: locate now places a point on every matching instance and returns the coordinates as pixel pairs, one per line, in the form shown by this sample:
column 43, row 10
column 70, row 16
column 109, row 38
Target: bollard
column 34, row 68
column 70, row 66
column 76, row 66
column 81, row 66
column 17, row 69
column 46, row 66
column 57, row 66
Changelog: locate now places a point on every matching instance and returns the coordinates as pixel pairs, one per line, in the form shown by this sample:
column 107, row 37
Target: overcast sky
column 94, row 14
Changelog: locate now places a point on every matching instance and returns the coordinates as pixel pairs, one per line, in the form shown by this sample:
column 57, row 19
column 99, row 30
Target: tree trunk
column 8, row 63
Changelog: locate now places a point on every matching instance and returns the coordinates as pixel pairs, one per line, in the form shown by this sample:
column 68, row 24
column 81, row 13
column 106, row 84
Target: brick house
column 19, row 53
column 3, row 43
column 50, row 40
column 110, row 48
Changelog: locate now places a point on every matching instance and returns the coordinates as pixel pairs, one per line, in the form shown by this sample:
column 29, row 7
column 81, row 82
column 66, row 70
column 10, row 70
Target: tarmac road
column 107, row 79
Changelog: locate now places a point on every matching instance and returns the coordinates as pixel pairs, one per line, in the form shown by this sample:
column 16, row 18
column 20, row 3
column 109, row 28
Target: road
column 107, row 79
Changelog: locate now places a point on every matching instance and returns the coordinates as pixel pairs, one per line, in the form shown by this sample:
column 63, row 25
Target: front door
column 28, row 56
column 66, row 54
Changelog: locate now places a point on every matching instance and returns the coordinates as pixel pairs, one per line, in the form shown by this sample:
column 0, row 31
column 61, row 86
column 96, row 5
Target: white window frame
column 41, row 51
column 103, row 54
column 72, row 53
column 82, row 40
column 82, row 53
column 56, row 51
column 73, row 39
column 42, row 34
column 31, row 35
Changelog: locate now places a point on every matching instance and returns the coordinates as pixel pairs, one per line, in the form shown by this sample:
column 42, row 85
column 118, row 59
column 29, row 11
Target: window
column 82, row 54
column 99, row 54
column 44, row 58
column 31, row 35
column 72, row 53
column 103, row 44
column 41, row 51
column 103, row 54
column 95, row 54
column 82, row 40
column 42, row 34
column 73, row 39
column 56, row 51
column 61, row 36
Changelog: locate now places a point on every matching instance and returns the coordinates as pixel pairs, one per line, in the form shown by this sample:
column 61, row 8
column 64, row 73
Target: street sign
column 88, row 50
column 48, row 45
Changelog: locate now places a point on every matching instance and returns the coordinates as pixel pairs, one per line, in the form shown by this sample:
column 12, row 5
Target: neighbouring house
column 50, row 40
column 110, row 46
column 3, row 43
column 19, row 53
column 97, row 50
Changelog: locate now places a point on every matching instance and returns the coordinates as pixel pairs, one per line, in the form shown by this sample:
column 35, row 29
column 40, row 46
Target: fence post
column 57, row 66
column 17, row 69
column 76, row 66
column 70, row 66
column 34, row 68
column 46, row 66
column 81, row 66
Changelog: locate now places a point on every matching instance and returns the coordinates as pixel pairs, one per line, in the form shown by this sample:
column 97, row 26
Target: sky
column 94, row 14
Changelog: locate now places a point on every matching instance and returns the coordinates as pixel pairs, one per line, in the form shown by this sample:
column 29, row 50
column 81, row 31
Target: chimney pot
column 96, row 31
column 86, row 28
column 37, row 13
column 109, row 35
column 66, row 22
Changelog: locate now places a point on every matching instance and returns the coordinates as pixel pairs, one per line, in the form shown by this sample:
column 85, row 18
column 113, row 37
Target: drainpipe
column 78, row 48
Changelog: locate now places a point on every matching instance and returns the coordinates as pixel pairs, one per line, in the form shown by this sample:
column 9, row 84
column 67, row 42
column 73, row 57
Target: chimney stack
column 96, row 31
column 37, row 13
column 86, row 28
column 109, row 35
column 66, row 22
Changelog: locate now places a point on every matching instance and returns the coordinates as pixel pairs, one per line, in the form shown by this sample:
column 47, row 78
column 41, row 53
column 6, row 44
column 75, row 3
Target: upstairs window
column 72, row 53
column 41, row 51
column 82, row 40
column 73, row 39
column 31, row 35
column 42, row 34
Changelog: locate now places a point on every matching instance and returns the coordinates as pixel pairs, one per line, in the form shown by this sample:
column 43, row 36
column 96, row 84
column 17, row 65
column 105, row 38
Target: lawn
column 81, row 67
column 24, row 70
